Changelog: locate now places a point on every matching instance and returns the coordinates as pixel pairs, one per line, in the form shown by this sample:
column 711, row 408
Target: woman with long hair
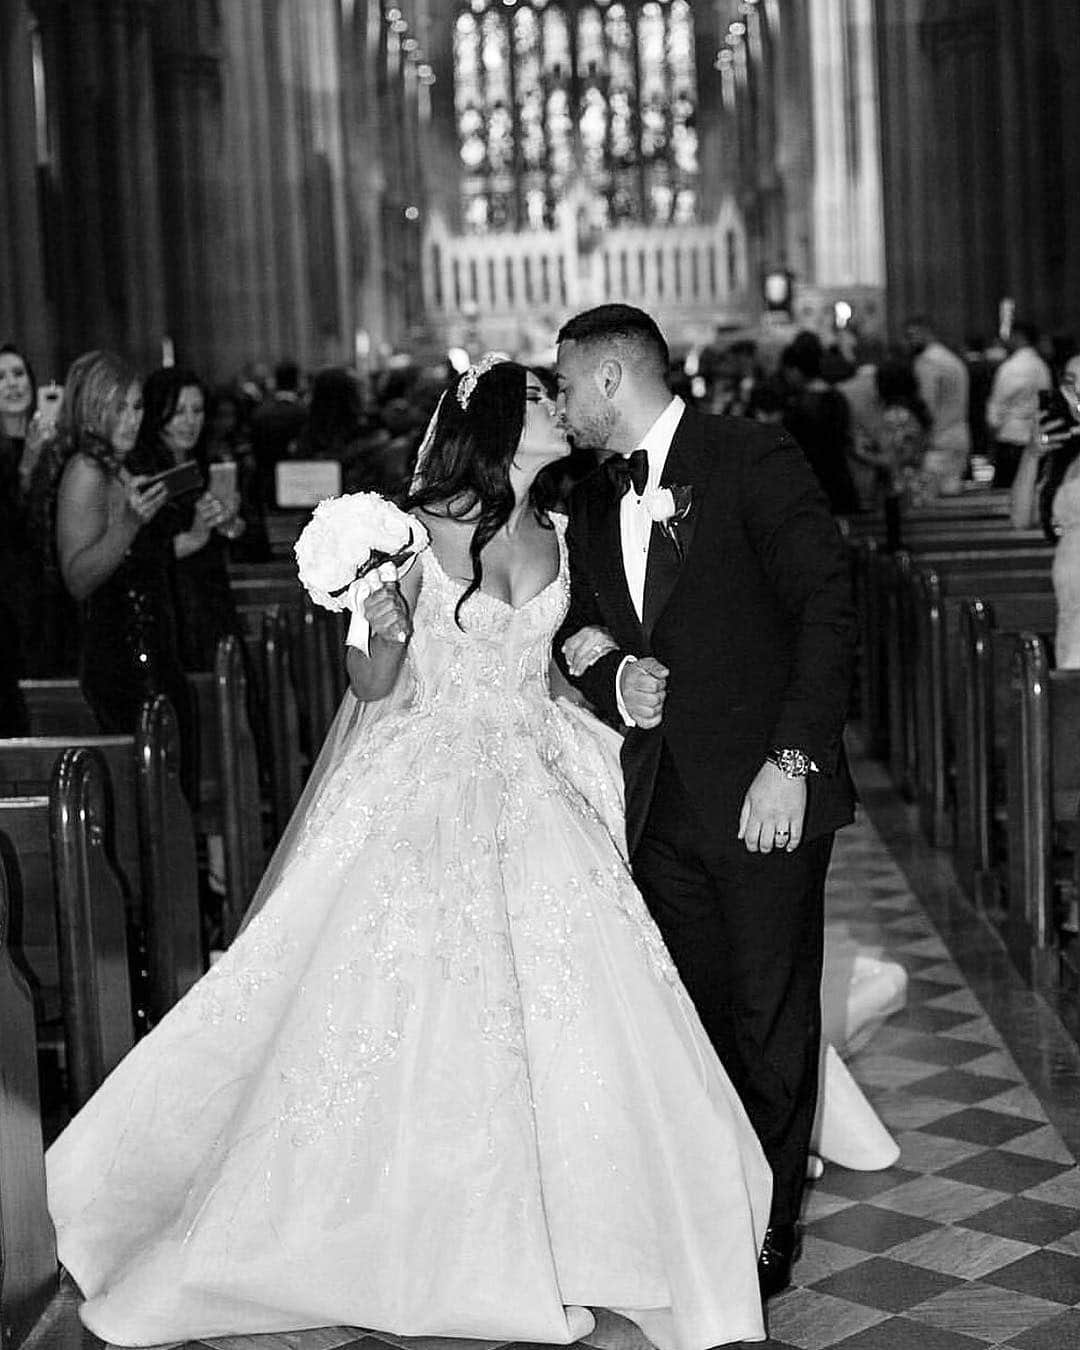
column 446, row 1082
column 115, row 550
column 203, row 524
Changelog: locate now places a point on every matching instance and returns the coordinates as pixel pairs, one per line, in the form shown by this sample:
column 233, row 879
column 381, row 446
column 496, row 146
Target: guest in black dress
column 817, row 417
column 40, row 614
column 115, row 548
column 201, row 524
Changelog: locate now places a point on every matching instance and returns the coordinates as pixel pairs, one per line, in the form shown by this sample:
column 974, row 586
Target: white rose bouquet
column 350, row 547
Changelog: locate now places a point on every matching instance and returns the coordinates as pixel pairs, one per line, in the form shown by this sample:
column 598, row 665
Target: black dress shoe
column 779, row 1250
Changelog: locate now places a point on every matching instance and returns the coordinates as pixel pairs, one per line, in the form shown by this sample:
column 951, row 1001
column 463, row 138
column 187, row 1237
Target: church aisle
column 972, row 1240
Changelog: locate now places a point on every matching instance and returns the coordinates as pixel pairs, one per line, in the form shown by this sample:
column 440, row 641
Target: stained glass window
column 557, row 97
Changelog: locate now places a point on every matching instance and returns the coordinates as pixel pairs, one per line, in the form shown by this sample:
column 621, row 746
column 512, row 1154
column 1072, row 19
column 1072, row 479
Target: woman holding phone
column 114, row 546
column 1046, row 492
column 204, row 520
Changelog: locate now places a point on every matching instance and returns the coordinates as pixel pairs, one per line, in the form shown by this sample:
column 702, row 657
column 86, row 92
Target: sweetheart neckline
column 506, row 604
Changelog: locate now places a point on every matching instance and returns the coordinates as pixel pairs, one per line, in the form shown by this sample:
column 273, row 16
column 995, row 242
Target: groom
column 729, row 625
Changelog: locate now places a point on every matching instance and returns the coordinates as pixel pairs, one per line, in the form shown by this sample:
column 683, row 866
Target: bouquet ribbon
column 377, row 573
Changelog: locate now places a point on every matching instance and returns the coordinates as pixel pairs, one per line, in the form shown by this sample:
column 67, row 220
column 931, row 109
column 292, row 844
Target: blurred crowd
column 908, row 423
column 125, row 496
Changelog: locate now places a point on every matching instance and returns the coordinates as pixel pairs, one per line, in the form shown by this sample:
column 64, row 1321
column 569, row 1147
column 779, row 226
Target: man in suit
column 275, row 424
column 712, row 575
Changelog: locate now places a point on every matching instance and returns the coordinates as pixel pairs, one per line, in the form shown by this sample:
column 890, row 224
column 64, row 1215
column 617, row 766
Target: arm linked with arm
column 597, row 682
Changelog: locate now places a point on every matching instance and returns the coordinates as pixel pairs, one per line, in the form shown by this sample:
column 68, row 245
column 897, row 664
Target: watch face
column 794, row 763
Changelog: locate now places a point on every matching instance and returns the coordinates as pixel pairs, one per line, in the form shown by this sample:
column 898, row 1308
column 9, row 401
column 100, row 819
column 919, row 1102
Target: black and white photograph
column 540, row 674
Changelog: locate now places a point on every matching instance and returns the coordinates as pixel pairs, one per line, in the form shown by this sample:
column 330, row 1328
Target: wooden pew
column 168, row 860
column 897, row 610
column 153, row 853
column 1044, row 804
column 56, row 851
column 58, row 708
column 935, row 643
column 877, row 579
column 229, row 803
column 91, row 921
column 888, row 624
column 871, row 667
column 317, row 640
column 287, row 761
column 28, row 1268
column 988, row 634
column 27, row 765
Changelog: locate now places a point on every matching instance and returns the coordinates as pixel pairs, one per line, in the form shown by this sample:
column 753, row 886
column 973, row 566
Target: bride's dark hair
column 466, row 468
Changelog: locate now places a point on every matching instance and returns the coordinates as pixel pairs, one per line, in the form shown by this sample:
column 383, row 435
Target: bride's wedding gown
column 447, row 1081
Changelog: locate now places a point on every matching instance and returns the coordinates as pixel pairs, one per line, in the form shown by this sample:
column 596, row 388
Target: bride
column 446, row 1081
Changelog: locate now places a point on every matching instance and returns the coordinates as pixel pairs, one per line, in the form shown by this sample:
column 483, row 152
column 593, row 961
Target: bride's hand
column 387, row 610
column 585, row 647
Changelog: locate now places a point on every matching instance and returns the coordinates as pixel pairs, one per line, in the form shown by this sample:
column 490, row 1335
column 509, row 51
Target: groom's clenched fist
column 643, row 688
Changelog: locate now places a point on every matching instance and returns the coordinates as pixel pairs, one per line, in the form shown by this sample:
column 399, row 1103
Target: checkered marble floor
column 972, row 1239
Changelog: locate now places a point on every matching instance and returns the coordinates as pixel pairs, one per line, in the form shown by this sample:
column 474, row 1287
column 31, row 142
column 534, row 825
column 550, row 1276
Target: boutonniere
column 668, row 507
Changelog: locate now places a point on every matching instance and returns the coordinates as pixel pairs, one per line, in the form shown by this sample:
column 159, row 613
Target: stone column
column 187, row 62
column 110, row 288
column 25, row 310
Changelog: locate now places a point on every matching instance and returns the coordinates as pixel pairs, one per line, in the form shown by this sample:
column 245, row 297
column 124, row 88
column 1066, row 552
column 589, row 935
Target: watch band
column 792, row 763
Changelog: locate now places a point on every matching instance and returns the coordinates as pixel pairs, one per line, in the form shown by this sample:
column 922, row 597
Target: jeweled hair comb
column 472, row 375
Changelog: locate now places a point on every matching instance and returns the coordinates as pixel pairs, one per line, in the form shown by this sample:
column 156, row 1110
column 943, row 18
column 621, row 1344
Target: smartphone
column 48, row 402
column 222, row 482
column 1053, row 403
column 179, row 480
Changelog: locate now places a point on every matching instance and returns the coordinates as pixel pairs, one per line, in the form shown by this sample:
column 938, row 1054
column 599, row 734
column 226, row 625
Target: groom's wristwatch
column 791, row 763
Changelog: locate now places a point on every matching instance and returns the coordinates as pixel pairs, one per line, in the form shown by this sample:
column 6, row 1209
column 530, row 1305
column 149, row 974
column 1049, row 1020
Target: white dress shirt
column 635, row 522
column 1014, row 396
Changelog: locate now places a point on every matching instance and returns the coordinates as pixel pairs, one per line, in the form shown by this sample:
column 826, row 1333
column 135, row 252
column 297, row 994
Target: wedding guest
column 980, row 371
column 944, row 389
column 1013, row 402
column 34, row 632
column 817, row 418
column 1046, row 492
column 228, row 441
column 275, row 424
column 864, row 404
column 201, row 524
column 335, row 430
column 114, row 543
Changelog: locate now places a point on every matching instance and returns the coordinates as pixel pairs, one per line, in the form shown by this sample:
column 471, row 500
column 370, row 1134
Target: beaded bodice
column 499, row 652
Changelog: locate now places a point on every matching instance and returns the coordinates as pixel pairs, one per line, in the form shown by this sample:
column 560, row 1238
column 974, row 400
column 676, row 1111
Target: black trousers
column 746, row 932
column 1007, row 457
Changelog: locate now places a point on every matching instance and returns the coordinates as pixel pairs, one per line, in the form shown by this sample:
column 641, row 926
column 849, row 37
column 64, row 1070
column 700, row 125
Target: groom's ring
column 782, row 834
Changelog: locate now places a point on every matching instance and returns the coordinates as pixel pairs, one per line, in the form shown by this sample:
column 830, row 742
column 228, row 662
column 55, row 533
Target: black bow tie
column 628, row 471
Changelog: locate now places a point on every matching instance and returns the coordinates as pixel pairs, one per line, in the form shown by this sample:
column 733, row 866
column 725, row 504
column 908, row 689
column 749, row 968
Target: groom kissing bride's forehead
column 711, row 618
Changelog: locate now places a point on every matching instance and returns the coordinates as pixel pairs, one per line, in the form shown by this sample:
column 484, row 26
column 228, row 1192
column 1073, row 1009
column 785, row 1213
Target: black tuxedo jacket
column 756, row 625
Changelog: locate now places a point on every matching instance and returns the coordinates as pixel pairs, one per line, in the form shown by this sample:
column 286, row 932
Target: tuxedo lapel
column 687, row 465
column 609, row 548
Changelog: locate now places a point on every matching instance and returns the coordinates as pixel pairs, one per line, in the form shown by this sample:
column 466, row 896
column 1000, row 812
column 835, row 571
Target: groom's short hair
column 623, row 327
